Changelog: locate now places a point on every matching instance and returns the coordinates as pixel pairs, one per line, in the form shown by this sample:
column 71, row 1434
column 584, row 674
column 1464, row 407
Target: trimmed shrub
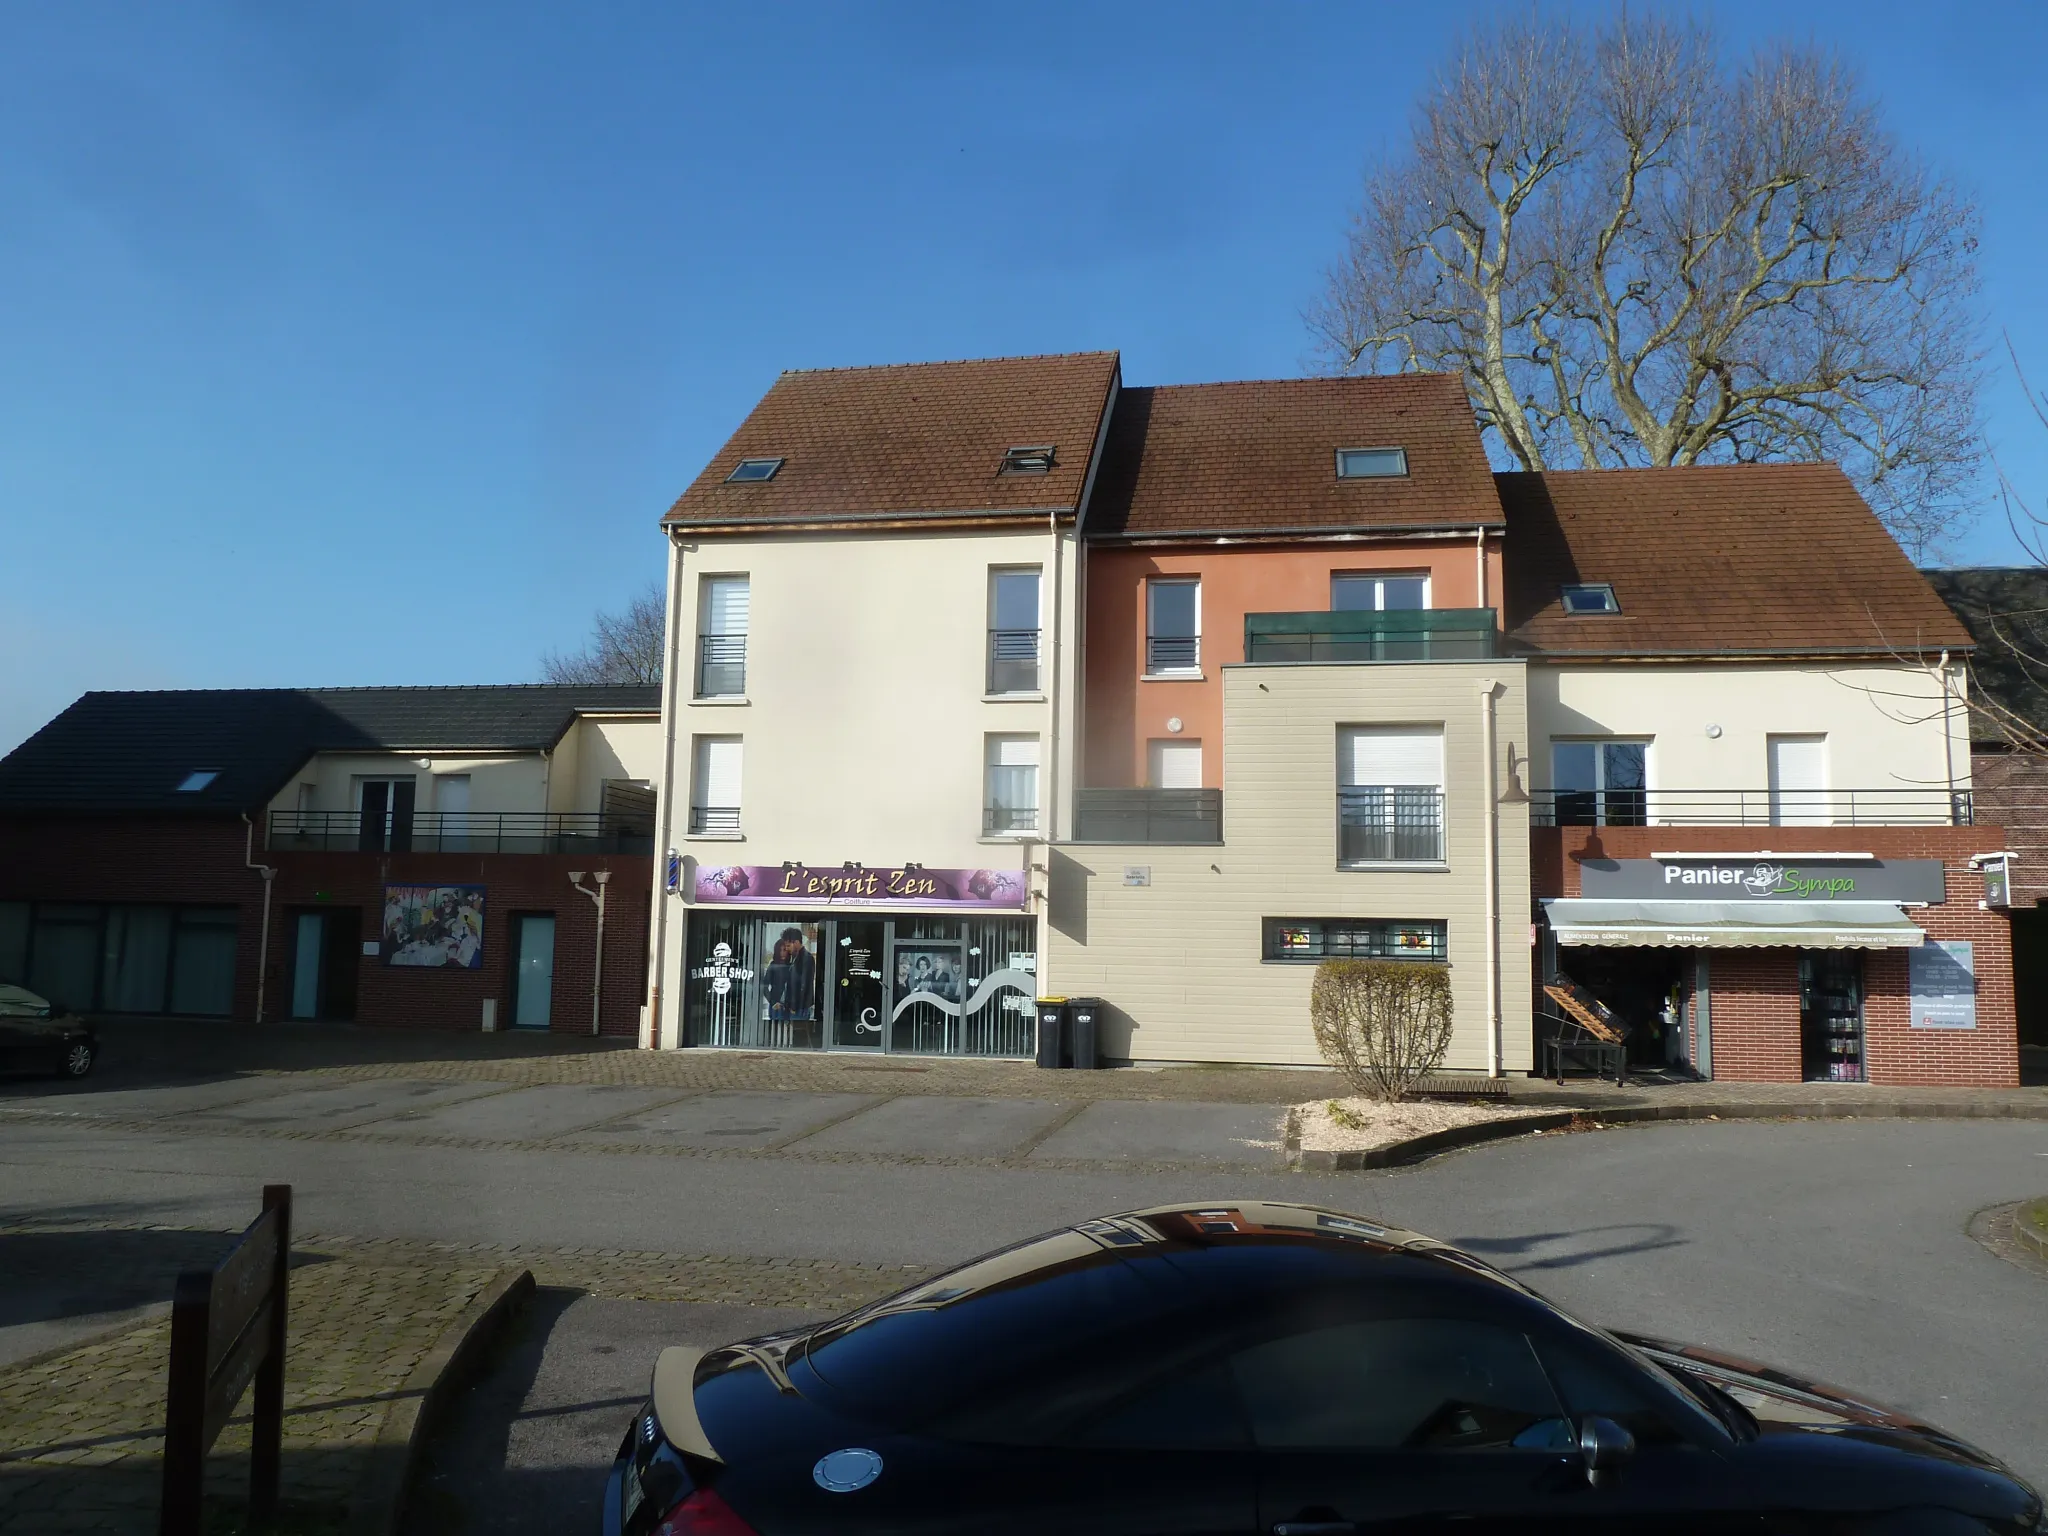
column 1382, row 1023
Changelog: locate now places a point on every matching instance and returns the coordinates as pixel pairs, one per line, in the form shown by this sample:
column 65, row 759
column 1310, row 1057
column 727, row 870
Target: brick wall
column 1755, row 992
column 2011, row 791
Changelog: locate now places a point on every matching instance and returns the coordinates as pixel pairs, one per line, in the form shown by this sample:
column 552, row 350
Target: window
column 13, row 941
column 1173, row 763
column 1390, row 794
column 1033, row 460
column 1309, row 939
column 1601, row 783
column 1799, row 781
column 1011, row 802
column 1371, row 463
column 1368, row 592
column 715, row 787
column 1609, row 1388
column 197, row 780
column 1013, row 631
column 753, row 470
column 203, row 962
column 722, row 638
column 1590, row 597
column 451, row 811
column 1173, row 627
column 384, row 814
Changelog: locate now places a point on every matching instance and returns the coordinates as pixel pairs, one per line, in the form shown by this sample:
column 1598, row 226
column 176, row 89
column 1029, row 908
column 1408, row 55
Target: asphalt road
column 1837, row 1249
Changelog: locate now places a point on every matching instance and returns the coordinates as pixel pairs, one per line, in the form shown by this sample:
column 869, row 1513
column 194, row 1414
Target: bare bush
column 1382, row 1023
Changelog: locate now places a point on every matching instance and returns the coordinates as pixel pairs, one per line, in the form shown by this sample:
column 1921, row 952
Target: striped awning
column 1582, row 921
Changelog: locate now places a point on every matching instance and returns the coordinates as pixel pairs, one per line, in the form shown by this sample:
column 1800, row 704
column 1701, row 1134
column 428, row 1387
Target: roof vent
column 1027, row 461
column 197, row 780
column 1591, row 597
column 753, row 469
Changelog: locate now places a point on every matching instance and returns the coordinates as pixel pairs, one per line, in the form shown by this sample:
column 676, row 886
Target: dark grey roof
column 2005, row 609
column 130, row 751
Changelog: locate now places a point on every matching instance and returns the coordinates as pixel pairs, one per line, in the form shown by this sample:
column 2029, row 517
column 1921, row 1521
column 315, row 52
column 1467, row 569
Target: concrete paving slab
column 728, row 1120
column 1169, row 1133
column 340, row 1107
column 525, row 1114
column 938, row 1127
column 148, row 1103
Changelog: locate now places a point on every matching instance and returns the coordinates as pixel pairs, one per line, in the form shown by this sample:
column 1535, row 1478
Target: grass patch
column 2035, row 1214
column 1344, row 1115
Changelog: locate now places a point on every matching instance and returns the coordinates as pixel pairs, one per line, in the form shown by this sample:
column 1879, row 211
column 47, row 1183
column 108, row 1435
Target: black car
column 1265, row 1368
column 35, row 1037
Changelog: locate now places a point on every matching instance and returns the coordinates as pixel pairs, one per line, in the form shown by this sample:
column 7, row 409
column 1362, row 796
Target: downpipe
column 263, row 942
column 600, row 878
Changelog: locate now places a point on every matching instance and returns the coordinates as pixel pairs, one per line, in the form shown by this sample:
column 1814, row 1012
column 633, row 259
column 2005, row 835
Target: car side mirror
column 1605, row 1446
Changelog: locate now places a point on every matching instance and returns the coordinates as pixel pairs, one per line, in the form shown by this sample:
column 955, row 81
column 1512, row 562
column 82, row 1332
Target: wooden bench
column 1585, row 1027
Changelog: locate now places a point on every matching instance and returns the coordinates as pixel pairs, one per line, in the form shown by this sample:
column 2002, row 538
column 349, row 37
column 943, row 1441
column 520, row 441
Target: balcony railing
column 999, row 819
column 458, row 832
column 1353, row 635
column 1173, row 653
column 1390, row 824
column 1897, row 806
column 1148, row 815
column 714, row 820
column 1013, row 661
column 721, row 666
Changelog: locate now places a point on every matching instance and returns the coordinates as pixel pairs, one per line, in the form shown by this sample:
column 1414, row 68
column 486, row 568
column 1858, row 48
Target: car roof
column 9, row 993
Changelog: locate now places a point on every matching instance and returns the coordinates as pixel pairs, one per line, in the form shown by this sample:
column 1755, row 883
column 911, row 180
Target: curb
column 421, row 1403
column 1593, row 1117
column 2027, row 1235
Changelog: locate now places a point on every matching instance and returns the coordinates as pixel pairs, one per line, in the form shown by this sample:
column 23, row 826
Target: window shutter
column 725, row 606
column 1013, row 751
column 1799, row 780
column 1176, row 765
column 1392, row 754
column 718, row 772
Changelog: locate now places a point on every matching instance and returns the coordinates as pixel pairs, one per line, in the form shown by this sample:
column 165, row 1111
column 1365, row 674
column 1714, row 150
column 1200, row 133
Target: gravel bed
column 1380, row 1124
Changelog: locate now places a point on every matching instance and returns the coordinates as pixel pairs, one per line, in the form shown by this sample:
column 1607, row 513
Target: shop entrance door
column 856, row 992
column 326, row 951
column 1831, row 1014
column 533, row 975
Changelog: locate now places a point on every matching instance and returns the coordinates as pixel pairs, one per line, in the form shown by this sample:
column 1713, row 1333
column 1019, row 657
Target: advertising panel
column 434, row 926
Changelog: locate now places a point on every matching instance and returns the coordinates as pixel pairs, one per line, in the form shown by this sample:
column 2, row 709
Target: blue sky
column 365, row 343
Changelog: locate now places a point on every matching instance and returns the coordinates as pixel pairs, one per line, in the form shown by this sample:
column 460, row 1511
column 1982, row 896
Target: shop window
column 136, row 957
column 203, row 961
column 13, row 941
column 1370, row 592
column 723, row 610
column 1010, row 801
column 1173, row 626
column 64, row 955
column 715, row 787
column 1601, row 783
column 1345, row 938
column 1390, row 796
column 1013, row 631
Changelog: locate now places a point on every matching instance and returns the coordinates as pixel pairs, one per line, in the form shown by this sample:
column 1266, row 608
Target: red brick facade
column 1754, row 993
column 2011, row 791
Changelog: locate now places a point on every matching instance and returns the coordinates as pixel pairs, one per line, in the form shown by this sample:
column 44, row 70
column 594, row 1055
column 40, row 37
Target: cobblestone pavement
column 81, row 1430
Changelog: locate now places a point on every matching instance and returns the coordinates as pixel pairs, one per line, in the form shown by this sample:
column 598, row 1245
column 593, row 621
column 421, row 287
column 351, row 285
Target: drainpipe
column 1479, row 564
column 600, row 877
column 1948, row 741
column 263, row 943
column 1488, row 688
column 671, row 676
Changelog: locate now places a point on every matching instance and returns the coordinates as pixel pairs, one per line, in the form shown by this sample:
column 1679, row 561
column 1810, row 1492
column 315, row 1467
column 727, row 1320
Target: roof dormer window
column 1372, row 463
column 753, row 469
column 1590, row 597
column 197, row 780
column 1033, row 460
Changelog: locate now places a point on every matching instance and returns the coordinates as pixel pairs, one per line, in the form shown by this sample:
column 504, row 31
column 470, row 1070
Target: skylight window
column 753, row 469
column 1371, row 463
column 197, row 780
column 1590, row 597
column 1027, row 461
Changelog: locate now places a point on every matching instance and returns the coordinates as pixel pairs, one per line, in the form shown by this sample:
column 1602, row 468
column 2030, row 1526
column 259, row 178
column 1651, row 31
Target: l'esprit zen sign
column 909, row 885
column 1764, row 878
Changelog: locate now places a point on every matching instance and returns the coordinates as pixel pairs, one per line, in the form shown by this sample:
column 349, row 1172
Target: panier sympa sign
column 1763, row 877
column 855, row 886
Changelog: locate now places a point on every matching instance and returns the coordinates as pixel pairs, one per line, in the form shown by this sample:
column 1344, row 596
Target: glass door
column 1831, row 1015
column 310, row 949
column 534, row 980
column 856, row 993
column 789, row 984
column 927, row 977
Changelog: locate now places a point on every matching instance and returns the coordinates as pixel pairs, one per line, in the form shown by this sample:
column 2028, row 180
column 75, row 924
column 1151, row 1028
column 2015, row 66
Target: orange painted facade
column 1123, row 711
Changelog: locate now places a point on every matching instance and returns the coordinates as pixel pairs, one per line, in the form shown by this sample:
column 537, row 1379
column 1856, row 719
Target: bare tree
column 1637, row 254
column 625, row 647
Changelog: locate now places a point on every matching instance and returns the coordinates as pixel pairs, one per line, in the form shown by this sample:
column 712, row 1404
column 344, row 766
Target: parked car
column 1264, row 1367
column 35, row 1037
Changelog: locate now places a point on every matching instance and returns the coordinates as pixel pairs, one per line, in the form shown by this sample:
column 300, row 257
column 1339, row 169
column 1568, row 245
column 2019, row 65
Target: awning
column 1732, row 924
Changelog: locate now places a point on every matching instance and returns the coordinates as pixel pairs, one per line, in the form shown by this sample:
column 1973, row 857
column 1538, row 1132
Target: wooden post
column 267, row 1431
column 185, row 1413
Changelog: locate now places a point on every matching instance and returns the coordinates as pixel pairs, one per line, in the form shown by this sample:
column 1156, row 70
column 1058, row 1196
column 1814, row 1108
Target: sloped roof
column 2005, row 609
column 1260, row 456
column 129, row 751
column 916, row 441
column 1730, row 559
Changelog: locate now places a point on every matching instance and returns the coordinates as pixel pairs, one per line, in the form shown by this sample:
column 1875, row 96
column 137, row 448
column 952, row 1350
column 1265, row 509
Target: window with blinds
column 1011, row 801
column 715, row 787
column 1390, row 794
column 722, row 638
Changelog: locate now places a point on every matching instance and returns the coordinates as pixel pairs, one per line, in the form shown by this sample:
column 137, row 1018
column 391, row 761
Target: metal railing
column 458, row 832
column 997, row 819
column 1390, row 824
column 1897, row 806
column 721, row 666
column 1148, row 815
column 1354, row 635
column 1013, row 661
column 714, row 820
column 1173, row 653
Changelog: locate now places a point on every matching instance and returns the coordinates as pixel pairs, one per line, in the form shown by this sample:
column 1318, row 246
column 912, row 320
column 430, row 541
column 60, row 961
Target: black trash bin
column 1083, row 1014
column 1052, row 1031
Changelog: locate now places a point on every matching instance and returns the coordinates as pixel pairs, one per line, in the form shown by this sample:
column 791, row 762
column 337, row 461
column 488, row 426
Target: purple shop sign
column 774, row 885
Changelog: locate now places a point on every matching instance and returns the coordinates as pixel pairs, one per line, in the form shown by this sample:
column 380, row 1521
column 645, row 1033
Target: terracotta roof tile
column 1769, row 558
column 919, row 439
column 1261, row 455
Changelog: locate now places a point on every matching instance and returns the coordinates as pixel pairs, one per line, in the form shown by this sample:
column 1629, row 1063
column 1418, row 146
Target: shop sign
column 1763, row 877
column 854, row 886
column 1941, row 975
column 1998, row 881
column 721, row 970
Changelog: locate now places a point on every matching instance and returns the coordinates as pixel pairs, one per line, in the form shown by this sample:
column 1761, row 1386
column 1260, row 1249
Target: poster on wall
column 930, row 969
column 434, row 926
column 789, row 982
column 1941, row 975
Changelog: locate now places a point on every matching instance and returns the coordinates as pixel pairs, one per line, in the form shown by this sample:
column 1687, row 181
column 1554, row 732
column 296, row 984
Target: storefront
column 909, row 960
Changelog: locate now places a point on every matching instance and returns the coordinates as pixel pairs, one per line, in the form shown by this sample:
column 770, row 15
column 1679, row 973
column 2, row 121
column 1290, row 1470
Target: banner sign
column 1764, row 877
column 1941, row 975
column 909, row 885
